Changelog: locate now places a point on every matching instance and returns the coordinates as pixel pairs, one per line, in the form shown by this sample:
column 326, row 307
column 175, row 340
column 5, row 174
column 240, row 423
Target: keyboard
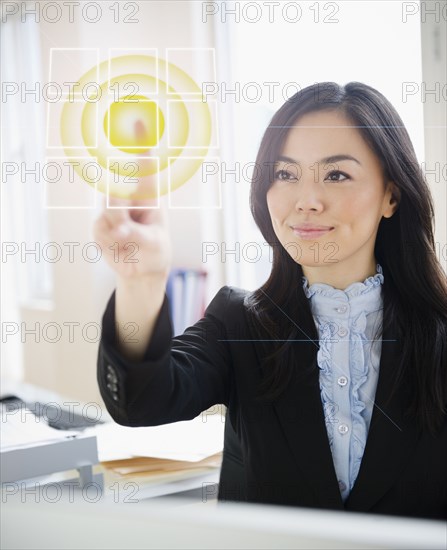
column 56, row 416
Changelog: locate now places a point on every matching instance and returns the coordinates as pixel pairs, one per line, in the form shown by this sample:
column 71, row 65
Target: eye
column 334, row 176
column 284, row 175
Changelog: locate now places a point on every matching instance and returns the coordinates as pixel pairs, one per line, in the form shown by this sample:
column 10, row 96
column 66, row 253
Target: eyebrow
column 327, row 160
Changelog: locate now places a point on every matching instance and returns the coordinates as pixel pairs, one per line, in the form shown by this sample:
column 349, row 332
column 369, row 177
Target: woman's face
column 329, row 177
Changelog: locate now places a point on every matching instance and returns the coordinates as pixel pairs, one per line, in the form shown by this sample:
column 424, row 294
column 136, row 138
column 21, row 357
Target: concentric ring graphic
column 147, row 137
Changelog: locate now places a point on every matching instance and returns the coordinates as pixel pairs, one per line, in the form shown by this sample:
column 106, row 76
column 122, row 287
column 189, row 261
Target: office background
column 260, row 55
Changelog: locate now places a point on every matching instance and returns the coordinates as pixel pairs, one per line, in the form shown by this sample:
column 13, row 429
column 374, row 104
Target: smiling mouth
column 311, row 233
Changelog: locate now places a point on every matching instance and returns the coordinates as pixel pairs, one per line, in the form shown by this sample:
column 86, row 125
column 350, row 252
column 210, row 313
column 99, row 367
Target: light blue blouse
column 349, row 360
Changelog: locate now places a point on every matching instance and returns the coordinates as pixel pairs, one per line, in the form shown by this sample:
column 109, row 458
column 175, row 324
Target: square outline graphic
column 213, row 69
column 136, row 147
column 45, row 188
column 140, row 50
column 83, row 145
column 215, row 133
column 219, row 207
column 131, row 207
column 75, row 94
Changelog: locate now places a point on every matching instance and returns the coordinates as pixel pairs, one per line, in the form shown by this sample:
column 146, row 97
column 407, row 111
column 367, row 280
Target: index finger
column 116, row 210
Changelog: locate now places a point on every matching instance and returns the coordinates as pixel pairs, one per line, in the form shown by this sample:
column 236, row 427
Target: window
column 24, row 226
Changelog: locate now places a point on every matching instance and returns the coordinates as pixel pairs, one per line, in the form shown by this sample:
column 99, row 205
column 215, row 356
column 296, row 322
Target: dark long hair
column 415, row 286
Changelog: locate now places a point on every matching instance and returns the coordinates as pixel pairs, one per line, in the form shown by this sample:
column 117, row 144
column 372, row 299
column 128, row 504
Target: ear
column 394, row 194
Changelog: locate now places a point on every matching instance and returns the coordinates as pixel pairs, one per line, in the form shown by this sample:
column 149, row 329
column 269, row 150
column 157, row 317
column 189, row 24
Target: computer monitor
column 175, row 524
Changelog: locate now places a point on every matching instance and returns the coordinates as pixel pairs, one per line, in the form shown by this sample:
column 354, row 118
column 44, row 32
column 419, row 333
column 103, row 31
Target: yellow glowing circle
column 134, row 124
column 147, row 141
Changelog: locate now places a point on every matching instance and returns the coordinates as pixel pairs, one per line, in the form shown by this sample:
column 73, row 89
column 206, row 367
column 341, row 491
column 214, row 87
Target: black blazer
column 275, row 453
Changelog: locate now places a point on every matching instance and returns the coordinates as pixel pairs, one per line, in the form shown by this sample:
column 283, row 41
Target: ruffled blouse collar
column 353, row 290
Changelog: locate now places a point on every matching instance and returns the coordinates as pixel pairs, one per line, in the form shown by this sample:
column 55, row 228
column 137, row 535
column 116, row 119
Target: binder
column 186, row 291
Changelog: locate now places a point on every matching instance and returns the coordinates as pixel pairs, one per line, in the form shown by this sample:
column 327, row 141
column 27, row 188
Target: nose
column 308, row 196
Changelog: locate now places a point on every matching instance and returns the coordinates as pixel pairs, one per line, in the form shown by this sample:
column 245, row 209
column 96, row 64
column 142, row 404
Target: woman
column 334, row 371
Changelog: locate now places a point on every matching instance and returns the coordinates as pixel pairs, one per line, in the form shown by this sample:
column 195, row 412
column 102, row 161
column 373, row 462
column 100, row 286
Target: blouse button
column 343, row 331
column 342, row 381
column 341, row 309
column 342, row 485
column 343, row 429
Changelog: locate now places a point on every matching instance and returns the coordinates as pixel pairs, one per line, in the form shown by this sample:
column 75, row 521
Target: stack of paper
column 157, row 466
column 154, row 454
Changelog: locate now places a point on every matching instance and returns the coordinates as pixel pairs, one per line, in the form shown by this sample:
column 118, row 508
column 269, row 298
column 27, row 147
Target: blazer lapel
column 300, row 414
column 391, row 439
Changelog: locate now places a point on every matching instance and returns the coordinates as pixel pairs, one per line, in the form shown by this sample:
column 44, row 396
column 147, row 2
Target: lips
column 307, row 231
column 310, row 227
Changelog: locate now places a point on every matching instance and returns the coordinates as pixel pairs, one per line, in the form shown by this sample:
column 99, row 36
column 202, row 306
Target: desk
column 195, row 486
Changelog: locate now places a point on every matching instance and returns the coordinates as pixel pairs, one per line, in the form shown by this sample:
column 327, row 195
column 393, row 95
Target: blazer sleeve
column 178, row 377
